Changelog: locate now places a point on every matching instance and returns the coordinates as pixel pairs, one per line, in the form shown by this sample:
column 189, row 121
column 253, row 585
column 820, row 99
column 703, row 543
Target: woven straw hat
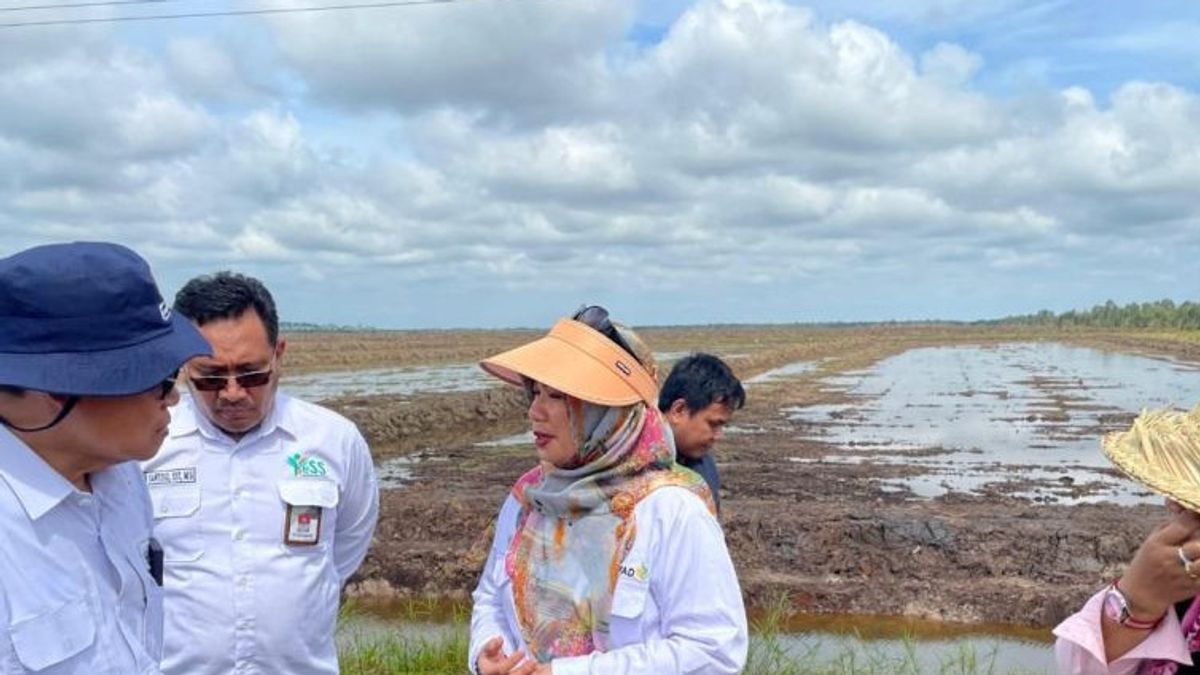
column 1162, row 452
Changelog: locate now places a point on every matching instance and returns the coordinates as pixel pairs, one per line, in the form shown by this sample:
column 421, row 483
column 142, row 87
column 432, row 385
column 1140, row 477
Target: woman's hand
column 492, row 661
column 1156, row 578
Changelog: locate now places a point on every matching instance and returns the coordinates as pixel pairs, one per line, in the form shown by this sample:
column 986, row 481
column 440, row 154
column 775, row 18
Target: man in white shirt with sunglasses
column 264, row 504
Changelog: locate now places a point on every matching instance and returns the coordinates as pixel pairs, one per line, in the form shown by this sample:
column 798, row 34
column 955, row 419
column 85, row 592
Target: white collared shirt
column 685, row 617
column 76, row 595
column 239, row 599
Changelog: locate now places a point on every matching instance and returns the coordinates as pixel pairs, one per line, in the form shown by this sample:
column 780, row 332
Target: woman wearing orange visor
column 607, row 557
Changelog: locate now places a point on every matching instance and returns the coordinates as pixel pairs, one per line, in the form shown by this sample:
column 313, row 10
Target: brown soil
column 828, row 535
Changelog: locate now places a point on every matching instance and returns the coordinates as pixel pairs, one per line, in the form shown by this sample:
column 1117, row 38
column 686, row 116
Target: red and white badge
column 307, row 501
column 303, row 525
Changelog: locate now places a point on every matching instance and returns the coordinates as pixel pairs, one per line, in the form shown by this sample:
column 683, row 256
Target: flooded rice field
column 943, row 473
column 1025, row 419
column 377, row 381
column 405, row 381
column 782, row 373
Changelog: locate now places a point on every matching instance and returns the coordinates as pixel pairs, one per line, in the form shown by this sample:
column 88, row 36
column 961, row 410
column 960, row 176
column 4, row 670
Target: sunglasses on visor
column 596, row 318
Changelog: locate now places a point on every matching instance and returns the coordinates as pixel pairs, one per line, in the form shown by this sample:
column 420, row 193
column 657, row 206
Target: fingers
column 1180, row 528
column 526, row 668
column 509, row 664
column 492, row 660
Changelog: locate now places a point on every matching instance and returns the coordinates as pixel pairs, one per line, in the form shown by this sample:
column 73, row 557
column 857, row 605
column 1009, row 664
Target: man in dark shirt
column 698, row 398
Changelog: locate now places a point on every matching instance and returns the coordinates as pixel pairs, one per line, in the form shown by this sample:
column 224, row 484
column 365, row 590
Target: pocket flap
column 309, row 492
column 54, row 637
column 175, row 502
column 629, row 598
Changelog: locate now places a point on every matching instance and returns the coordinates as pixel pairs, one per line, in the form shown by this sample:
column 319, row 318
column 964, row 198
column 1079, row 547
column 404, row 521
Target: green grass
column 443, row 652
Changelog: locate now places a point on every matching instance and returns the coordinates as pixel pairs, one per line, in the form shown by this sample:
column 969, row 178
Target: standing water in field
column 1024, row 419
column 376, row 381
column 445, row 379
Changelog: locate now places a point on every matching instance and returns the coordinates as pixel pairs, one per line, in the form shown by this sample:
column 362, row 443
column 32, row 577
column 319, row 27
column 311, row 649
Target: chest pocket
column 632, row 609
column 303, row 500
column 177, row 522
column 629, row 598
column 47, row 643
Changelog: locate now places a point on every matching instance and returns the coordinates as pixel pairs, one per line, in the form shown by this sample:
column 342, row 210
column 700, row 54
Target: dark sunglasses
column 251, row 380
column 596, row 318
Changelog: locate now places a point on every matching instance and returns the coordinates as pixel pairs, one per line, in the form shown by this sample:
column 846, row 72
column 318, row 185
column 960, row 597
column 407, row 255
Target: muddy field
column 833, row 536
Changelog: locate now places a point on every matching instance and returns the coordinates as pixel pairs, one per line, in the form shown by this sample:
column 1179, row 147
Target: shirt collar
column 186, row 419
column 36, row 484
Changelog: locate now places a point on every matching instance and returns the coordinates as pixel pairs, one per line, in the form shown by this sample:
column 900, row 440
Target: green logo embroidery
column 641, row 573
column 306, row 466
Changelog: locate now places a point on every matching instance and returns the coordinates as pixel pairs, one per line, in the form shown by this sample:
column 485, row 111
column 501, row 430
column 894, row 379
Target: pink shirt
column 1080, row 645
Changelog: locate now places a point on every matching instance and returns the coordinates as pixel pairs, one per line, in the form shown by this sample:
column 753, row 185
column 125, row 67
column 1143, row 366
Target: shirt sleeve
column 1079, row 647
column 358, row 509
column 487, row 602
column 694, row 584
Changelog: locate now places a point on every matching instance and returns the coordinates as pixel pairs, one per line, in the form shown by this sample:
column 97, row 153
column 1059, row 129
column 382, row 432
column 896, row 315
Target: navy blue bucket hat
column 86, row 319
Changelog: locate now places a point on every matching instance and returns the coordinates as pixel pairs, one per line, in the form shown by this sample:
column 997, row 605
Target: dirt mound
column 404, row 424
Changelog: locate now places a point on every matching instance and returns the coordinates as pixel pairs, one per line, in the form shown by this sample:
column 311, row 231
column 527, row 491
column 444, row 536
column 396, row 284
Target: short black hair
column 11, row 390
column 701, row 380
column 227, row 295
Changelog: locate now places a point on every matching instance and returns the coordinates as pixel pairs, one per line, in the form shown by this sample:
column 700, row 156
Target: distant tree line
column 1160, row 314
column 303, row 327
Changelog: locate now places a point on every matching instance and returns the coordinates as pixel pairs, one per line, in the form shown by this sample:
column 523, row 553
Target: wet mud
column 831, row 528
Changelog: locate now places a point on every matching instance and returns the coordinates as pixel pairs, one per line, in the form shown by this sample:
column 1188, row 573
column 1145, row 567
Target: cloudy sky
column 497, row 162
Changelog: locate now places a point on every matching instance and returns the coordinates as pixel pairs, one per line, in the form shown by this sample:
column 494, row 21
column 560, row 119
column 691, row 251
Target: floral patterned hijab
column 576, row 525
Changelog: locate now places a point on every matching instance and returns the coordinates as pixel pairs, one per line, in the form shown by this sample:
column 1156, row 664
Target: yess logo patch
column 306, row 466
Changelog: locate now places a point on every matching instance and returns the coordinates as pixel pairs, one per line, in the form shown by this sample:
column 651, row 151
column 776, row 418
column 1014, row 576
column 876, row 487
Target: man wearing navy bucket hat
column 88, row 357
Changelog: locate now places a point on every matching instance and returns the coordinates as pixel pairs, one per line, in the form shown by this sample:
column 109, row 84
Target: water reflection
column 375, row 381
column 1031, row 414
column 783, row 372
column 523, row 438
column 458, row 377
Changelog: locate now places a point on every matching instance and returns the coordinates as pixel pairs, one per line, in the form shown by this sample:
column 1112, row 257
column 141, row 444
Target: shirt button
column 239, row 535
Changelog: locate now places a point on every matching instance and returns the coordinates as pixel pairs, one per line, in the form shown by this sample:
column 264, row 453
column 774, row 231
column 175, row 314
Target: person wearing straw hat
column 88, row 357
column 596, row 550
column 1148, row 620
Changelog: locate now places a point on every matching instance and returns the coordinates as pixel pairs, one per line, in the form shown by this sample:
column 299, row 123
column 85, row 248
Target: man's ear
column 280, row 348
column 678, row 410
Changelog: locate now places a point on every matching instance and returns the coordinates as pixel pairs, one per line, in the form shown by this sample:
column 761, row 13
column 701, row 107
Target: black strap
column 66, row 410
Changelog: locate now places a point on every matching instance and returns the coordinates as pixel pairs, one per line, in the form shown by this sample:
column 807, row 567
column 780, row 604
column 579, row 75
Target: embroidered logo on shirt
column 306, row 466
column 181, row 476
column 640, row 572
